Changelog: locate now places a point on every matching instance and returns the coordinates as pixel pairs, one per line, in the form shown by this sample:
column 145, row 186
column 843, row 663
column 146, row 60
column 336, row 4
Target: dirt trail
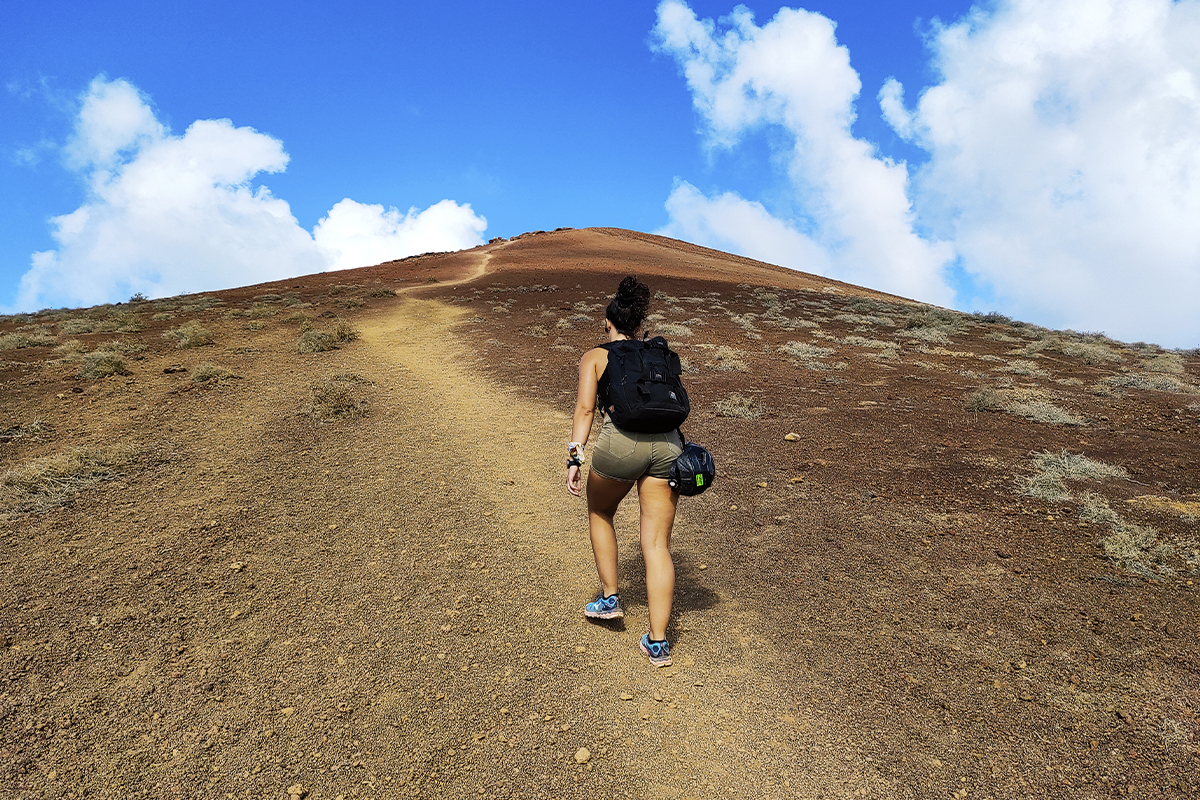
column 676, row 734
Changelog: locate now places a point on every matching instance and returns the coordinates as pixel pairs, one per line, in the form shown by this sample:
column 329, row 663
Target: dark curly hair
column 627, row 310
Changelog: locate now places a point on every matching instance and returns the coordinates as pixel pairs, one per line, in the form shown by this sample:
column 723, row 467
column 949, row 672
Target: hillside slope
column 355, row 572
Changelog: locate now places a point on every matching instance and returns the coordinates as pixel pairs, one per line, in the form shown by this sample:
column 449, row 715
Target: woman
column 619, row 460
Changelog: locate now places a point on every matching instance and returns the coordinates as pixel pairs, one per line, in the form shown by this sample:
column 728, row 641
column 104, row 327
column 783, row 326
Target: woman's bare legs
column 657, row 503
column 603, row 497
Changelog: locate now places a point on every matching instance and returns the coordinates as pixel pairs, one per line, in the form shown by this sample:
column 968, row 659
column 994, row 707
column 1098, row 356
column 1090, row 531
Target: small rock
column 287, row 712
column 626, row 696
column 296, row 790
column 657, row 697
column 1026, row 696
column 792, row 437
column 797, row 479
column 761, row 485
column 580, row 649
column 582, row 755
column 237, row 566
column 4, row 640
column 1020, row 665
column 733, row 508
column 704, row 566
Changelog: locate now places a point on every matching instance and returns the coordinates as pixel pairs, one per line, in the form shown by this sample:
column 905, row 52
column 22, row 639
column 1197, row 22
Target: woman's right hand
column 574, row 480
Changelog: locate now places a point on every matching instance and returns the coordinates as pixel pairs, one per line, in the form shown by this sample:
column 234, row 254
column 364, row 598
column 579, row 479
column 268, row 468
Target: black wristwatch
column 574, row 462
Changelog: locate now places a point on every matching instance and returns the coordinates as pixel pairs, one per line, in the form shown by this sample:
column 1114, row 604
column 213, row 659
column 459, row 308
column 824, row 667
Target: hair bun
column 634, row 293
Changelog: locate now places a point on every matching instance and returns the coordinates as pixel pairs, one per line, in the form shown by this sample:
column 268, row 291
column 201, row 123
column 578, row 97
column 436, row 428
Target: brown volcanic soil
column 390, row 605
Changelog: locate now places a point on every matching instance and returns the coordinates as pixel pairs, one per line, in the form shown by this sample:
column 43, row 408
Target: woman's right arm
column 591, row 367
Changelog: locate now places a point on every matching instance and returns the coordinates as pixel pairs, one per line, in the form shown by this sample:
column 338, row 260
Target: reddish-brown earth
column 254, row 599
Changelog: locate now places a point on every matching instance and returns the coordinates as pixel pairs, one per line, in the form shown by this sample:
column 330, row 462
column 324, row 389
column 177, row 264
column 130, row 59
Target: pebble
column 626, row 696
column 792, row 437
column 762, row 485
column 296, row 790
column 704, row 566
column 287, row 712
column 237, row 566
column 582, row 755
column 797, row 479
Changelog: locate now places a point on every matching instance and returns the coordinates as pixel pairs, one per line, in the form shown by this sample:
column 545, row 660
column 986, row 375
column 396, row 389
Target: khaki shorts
column 625, row 456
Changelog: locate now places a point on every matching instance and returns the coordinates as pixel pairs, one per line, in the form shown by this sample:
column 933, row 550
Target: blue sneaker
column 604, row 607
column 659, row 652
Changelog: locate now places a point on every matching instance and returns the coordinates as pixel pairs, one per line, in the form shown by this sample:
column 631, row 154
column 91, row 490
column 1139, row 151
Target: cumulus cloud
column 857, row 223
column 1064, row 143
column 353, row 234
column 167, row 214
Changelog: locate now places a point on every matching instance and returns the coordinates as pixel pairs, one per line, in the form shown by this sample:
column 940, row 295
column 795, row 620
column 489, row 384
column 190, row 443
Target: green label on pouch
column 699, row 480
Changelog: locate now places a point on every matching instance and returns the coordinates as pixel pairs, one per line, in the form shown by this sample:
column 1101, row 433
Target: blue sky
column 539, row 115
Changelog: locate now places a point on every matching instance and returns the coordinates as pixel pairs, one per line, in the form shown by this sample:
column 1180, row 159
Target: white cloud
column 792, row 73
column 1064, row 143
column 353, row 234
column 169, row 214
column 731, row 223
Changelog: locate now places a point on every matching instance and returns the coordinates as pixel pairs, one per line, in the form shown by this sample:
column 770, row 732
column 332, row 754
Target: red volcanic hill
column 310, row 539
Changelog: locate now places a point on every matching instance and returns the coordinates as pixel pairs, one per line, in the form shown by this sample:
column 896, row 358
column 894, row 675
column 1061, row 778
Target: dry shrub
column 804, row 351
column 101, row 364
column 381, row 293
column 191, row 334
column 36, row 431
column 316, row 341
column 17, row 341
column 340, row 396
column 739, row 406
column 862, row 319
column 320, row 341
column 1170, row 363
column 926, row 334
column 1073, row 466
column 1088, row 349
column 1042, row 411
column 210, row 373
column 729, row 360
column 1022, row 367
column 862, row 341
column 673, row 329
column 536, row 331
column 986, row 399
column 1156, row 382
column 162, row 315
column 49, row 481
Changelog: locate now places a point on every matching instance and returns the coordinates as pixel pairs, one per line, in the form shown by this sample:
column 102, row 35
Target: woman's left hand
column 574, row 480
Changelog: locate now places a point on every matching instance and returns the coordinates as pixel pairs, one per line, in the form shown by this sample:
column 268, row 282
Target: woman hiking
column 620, row 459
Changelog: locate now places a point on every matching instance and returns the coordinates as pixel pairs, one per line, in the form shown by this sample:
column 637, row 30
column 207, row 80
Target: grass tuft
column 1151, row 381
column 102, row 364
column 738, row 406
column 340, row 396
column 46, row 482
column 210, row 373
column 191, row 334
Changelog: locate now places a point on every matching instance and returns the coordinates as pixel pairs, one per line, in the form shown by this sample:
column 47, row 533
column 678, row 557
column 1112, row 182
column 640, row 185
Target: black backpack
column 641, row 390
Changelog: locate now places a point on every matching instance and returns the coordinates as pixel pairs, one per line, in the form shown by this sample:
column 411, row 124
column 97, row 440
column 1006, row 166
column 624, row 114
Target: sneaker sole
column 615, row 614
column 658, row 662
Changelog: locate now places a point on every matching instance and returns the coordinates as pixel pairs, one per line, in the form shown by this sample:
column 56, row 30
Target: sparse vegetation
column 1044, row 412
column 191, row 334
column 102, row 364
column 1156, row 382
column 739, row 406
column 986, row 398
column 536, row 331
column 36, row 431
column 1020, row 366
column 20, row 340
column 340, row 396
column 729, row 360
column 320, row 341
column 673, row 329
column 316, row 341
column 210, row 373
column 804, row 351
column 46, row 482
